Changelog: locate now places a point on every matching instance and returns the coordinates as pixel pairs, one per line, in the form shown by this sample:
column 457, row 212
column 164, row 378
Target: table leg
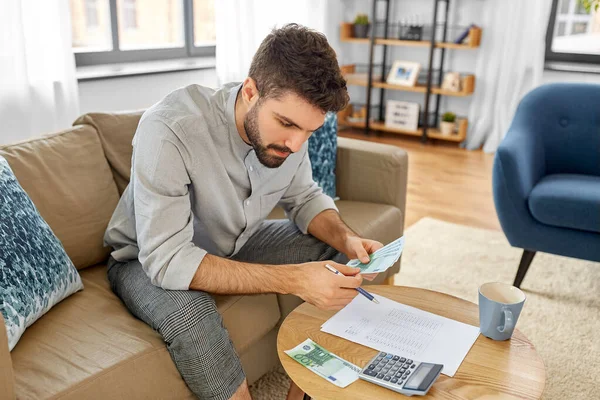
column 389, row 280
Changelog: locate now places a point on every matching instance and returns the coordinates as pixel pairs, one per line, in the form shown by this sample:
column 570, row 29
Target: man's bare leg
column 243, row 393
column 295, row 393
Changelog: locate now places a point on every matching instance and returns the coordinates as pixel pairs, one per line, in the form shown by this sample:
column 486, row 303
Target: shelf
column 468, row 85
column 473, row 40
column 432, row 133
column 412, row 43
column 360, row 79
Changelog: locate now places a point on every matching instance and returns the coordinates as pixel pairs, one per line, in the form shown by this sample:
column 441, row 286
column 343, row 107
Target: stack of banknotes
column 382, row 259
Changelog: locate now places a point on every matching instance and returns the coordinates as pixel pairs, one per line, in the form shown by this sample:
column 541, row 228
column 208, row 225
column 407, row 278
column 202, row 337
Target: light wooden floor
column 444, row 181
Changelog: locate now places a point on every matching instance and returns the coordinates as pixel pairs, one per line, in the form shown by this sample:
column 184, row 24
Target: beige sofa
column 89, row 346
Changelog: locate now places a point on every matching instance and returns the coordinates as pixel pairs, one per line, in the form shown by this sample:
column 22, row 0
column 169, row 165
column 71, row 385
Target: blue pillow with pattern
column 322, row 151
column 35, row 271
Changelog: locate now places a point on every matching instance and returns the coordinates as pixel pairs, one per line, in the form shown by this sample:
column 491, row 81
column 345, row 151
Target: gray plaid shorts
column 189, row 322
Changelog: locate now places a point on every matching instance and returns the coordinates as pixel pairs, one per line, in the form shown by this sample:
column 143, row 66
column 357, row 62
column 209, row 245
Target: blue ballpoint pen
column 359, row 289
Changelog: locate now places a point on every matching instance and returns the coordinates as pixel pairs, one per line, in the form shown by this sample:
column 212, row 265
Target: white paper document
column 405, row 331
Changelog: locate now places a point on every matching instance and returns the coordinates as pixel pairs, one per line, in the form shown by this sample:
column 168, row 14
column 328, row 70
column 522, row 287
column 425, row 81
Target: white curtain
column 510, row 63
column 38, row 87
column 243, row 24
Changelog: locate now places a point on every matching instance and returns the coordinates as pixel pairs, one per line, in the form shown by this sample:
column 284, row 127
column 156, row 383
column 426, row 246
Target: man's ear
column 249, row 91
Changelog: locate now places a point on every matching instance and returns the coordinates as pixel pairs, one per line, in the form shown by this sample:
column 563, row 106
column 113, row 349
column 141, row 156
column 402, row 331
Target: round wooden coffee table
column 510, row 369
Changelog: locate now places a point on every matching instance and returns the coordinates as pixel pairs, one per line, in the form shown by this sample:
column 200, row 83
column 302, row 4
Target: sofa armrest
column 7, row 380
column 372, row 172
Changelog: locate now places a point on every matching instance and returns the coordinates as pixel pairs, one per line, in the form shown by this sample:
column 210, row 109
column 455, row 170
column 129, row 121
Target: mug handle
column 508, row 321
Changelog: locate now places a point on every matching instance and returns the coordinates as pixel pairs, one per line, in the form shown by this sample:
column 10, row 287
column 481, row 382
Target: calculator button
column 386, row 378
column 412, row 366
column 409, row 362
column 372, row 366
column 382, row 354
column 380, row 376
column 402, row 359
column 394, row 380
column 396, row 358
column 402, row 370
column 407, row 372
column 389, row 356
column 377, row 369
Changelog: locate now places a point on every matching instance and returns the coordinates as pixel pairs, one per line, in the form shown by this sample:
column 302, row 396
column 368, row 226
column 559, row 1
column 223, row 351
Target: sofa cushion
column 116, row 132
column 379, row 222
column 322, row 152
column 567, row 201
column 69, row 181
column 35, row 271
column 90, row 347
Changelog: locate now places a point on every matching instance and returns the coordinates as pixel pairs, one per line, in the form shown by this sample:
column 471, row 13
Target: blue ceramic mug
column 500, row 305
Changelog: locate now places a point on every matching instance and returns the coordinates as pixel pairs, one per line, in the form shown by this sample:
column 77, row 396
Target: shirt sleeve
column 304, row 199
column 163, row 212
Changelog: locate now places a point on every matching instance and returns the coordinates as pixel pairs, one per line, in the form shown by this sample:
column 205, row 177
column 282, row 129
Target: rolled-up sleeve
column 163, row 213
column 304, row 199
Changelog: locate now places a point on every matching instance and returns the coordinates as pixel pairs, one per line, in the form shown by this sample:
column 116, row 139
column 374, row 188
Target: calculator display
column 416, row 379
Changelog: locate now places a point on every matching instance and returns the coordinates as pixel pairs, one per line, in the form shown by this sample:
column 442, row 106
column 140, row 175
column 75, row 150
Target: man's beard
column 265, row 158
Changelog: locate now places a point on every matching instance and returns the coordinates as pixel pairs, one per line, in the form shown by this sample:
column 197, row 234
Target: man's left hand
column 360, row 248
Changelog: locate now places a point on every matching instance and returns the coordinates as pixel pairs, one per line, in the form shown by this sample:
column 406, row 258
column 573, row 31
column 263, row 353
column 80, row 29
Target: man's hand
column 324, row 289
column 357, row 247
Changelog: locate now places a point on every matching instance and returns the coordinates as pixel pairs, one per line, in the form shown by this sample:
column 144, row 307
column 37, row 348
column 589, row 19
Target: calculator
column 400, row 374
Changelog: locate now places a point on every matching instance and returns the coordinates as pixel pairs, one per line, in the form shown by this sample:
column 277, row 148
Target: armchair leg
column 526, row 260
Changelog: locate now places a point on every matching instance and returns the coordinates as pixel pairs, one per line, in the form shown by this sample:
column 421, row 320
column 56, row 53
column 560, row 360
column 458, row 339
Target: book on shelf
column 464, row 34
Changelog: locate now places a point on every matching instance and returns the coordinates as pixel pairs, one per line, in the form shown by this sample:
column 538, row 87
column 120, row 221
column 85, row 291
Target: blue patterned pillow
column 322, row 151
column 35, row 271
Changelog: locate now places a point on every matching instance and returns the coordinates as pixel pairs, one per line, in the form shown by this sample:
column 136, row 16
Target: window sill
column 108, row 71
column 572, row 67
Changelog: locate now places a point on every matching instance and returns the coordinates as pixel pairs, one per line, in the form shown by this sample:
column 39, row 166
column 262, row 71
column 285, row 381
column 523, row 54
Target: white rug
column 561, row 315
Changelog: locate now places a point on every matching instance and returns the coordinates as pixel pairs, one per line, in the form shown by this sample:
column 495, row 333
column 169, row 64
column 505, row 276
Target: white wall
column 137, row 92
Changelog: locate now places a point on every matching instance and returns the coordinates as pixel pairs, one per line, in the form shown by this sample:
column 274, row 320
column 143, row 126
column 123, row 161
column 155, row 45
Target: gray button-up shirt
column 196, row 187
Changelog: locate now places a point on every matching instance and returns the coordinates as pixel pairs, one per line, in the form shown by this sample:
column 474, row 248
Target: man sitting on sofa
column 208, row 166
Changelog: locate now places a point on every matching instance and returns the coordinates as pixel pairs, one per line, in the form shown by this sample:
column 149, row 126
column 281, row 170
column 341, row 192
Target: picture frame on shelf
column 452, row 82
column 402, row 115
column 404, row 73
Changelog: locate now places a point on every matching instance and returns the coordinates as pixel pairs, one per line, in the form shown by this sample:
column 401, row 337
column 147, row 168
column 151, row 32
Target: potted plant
column 361, row 26
column 448, row 123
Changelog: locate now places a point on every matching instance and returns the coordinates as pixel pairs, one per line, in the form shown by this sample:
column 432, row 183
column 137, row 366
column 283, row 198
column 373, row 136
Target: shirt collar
column 242, row 148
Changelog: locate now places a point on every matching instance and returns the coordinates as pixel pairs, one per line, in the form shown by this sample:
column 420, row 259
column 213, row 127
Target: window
column 114, row 31
column 129, row 14
column 573, row 33
column 204, row 22
column 91, row 14
column 90, row 26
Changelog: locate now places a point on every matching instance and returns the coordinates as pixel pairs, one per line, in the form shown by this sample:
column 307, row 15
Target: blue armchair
column 546, row 176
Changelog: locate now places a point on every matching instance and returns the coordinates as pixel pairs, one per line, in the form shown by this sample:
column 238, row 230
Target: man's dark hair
column 299, row 60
